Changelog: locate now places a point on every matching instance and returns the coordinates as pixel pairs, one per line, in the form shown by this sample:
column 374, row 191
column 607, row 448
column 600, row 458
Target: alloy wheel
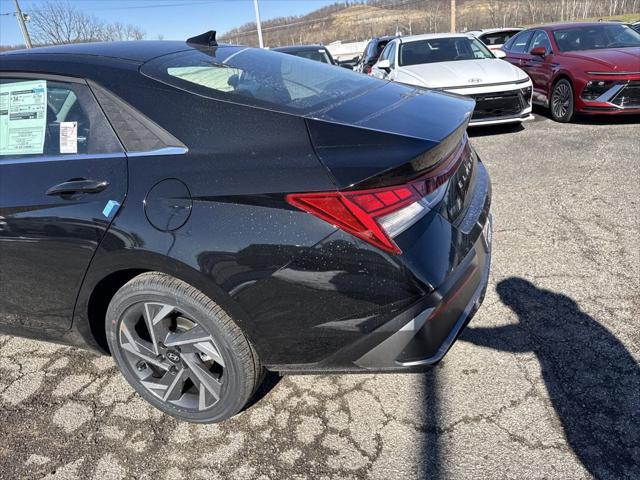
column 561, row 100
column 172, row 356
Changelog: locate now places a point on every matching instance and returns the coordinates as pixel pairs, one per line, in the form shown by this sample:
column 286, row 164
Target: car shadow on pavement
column 271, row 379
column 592, row 380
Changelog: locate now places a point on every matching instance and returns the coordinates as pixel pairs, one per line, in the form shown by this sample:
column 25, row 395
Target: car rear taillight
column 377, row 215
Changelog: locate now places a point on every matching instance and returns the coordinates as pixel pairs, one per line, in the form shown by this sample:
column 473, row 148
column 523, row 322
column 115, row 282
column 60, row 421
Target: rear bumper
column 426, row 338
column 421, row 333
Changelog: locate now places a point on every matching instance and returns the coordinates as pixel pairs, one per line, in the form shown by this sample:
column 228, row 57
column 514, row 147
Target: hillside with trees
column 360, row 20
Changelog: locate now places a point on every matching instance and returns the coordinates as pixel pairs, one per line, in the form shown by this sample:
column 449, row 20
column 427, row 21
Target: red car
column 580, row 67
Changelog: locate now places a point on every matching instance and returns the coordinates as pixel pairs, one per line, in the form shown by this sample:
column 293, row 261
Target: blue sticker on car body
column 110, row 208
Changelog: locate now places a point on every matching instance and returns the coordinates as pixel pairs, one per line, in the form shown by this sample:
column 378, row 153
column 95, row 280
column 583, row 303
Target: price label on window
column 23, row 117
column 68, row 137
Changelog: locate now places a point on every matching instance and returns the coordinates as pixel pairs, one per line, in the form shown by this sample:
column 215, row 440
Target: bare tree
column 58, row 22
column 121, row 31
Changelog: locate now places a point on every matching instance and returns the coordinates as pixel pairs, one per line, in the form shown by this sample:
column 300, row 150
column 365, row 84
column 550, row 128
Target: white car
column 460, row 63
column 495, row 38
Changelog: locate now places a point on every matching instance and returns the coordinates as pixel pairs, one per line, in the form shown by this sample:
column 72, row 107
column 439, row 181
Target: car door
column 539, row 68
column 63, row 176
column 516, row 48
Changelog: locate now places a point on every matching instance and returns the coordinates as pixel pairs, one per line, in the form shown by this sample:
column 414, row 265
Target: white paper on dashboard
column 68, row 137
column 23, row 117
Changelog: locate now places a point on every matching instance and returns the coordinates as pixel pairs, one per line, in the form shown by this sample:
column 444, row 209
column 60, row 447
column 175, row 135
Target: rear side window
column 518, row 44
column 43, row 117
column 257, row 77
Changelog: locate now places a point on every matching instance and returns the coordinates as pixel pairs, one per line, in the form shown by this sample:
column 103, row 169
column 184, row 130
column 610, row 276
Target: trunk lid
column 388, row 135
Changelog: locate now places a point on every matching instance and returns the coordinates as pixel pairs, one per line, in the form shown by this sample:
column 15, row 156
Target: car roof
column 431, row 36
column 136, row 51
column 385, row 38
column 560, row 26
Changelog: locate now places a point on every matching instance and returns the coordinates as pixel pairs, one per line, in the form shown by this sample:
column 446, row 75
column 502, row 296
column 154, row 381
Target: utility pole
column 258, row 25
column 453, row 16
column 23, row 27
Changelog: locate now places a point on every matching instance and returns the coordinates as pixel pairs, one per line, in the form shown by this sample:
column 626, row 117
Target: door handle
column 80, row 185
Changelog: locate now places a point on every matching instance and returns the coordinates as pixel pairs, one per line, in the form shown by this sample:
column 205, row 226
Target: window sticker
column 23, row 117
column 68, row 137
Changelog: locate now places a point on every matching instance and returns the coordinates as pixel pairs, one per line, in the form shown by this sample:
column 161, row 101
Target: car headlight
column 526, row 93
column 595, row 88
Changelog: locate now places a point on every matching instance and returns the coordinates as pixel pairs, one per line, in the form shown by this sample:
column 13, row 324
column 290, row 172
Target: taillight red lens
column 359, row 212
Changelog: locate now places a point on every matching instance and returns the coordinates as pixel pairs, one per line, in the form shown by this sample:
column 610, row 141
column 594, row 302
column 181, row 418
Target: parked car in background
column 266, row 214
column 588, row 68
column 636, row 26
column 495, row 38
column 312, row 52
column 349, row 64
column 459, row 63
column 371, row 53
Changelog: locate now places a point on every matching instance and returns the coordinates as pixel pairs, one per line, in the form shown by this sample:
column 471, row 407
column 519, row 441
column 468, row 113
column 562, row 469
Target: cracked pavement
column 544, row 383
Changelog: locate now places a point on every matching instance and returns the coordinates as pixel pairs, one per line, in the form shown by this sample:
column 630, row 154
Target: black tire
column 561, row 103
column 204, row 371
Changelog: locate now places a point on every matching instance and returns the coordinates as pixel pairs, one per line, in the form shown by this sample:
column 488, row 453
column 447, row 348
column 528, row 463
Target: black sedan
column 206, row 212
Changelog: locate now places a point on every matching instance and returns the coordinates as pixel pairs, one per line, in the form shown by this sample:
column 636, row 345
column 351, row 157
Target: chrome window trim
column 14, row 160
column 72, row 157
column 159, row 151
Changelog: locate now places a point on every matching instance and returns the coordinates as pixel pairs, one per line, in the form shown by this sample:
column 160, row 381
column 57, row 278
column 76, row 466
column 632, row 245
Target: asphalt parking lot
column 545, row 382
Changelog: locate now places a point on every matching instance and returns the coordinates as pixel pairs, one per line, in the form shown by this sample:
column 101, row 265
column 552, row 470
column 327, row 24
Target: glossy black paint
column 303, row 292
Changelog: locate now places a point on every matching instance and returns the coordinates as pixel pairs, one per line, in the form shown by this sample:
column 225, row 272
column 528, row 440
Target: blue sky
column 174, row 19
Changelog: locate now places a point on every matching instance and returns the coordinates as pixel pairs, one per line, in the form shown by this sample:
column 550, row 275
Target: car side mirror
column 384, row 65
column 499, row 53
column 538, row 52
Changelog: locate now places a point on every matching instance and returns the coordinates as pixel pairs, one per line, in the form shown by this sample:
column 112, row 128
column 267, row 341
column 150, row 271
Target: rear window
column 319, row 55
column 258, row 77
column 497, row 38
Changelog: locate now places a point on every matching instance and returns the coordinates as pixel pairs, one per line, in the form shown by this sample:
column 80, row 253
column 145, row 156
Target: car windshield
column 259, row 77
column 435, row 50
column 595, row 37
